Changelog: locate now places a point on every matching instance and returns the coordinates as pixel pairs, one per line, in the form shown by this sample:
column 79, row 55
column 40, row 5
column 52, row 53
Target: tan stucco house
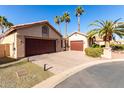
column 77, row 41
column 32, row 39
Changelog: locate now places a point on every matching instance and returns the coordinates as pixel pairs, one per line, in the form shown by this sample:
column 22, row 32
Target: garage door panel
column 76, row 45
column 38, row 46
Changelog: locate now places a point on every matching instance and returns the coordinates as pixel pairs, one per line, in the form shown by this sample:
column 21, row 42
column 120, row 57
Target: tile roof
column 13, row 28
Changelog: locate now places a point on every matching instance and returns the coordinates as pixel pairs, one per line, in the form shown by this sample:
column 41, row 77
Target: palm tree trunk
column 106, row 39
column 66, row 29
column 109, row 43
column 59, row 28
column 105, row 43
column 78, row 23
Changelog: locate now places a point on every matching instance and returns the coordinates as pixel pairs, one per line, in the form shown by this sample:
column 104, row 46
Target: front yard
column 22, row 75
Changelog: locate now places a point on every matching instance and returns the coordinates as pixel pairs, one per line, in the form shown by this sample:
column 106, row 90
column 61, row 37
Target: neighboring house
column 98, row 40
column 77, row 41
column 118, row 42
column 32, row 39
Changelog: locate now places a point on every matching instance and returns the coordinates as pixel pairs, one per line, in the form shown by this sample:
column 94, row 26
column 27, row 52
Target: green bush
column 95, row 46
column 117, row 47
column 102, row 46
column 94, row 52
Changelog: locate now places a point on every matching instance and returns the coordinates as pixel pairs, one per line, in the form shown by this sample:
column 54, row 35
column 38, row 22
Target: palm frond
column 92, row 33
column 79, row 10
column 117, row 20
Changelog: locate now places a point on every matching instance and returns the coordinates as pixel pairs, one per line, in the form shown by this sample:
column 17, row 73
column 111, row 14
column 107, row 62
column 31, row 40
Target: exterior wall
column 20, row 46
column 11, row 39
column 75, row 37
column 100, row 43
column 34, row 32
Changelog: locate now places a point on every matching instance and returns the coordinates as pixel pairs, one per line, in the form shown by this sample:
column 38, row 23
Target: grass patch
column 35, row 74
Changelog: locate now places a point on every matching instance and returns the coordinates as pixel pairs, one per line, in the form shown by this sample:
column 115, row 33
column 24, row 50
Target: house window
column 45, row 30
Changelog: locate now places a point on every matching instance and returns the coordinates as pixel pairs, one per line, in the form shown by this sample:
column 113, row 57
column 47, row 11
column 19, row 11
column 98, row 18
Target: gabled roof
column 13, row 28
column 78, row 33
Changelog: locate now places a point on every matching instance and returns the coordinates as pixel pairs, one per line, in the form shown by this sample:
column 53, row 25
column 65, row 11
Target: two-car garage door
column 38, row 46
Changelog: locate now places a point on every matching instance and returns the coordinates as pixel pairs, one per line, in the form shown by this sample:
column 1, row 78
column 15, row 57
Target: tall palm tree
column 4, row 23
column 61, row 19
column 79, row 12
column 66, row 17
column 107, row 29
column 57, row 21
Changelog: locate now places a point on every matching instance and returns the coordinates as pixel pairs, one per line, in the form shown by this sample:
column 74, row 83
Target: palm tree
column 66, row 17
column 107, row 29
column 9, row 24
column 4, row 23
column 79, row 11
column 57, row 21
column 61, row 19
column 91, row 35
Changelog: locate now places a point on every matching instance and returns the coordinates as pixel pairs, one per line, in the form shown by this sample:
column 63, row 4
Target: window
column 45, row 30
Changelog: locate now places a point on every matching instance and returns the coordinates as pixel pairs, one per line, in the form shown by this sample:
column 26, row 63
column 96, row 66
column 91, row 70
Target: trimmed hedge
column 94, row 52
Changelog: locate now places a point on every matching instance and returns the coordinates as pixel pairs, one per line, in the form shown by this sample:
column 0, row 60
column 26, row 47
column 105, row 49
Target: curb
column 56, row 79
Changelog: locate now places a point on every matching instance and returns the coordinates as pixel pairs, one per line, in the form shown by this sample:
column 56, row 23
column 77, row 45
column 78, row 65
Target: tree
column 106, row 30
column 66, row 17
column 61, row 19
column 4, row 23
column 79, row 12
column 91, row 35
column 57, row 21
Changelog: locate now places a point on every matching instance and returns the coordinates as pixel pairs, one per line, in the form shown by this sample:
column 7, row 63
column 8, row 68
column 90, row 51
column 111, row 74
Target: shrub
column 94, row 52
column 102, row 46
column 117, row 47
column 95, row 46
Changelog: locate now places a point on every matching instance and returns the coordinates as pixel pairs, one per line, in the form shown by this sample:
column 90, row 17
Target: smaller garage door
column 76, row 45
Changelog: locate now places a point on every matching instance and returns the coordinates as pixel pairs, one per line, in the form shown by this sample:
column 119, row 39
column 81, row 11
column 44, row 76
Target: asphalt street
column 107, row 75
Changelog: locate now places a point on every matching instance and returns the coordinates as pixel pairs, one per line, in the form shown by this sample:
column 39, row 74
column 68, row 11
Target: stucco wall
column 11, row 39
column 34, row 32
column 75, row 37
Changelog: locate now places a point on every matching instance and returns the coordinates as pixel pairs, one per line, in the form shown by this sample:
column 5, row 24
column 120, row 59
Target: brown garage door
column 38, row 46
column 76, row 45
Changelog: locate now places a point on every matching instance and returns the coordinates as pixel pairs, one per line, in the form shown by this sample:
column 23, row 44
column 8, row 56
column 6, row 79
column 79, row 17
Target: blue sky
column 26, row 14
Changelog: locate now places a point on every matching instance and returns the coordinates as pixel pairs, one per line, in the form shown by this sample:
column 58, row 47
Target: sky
column 32, row 13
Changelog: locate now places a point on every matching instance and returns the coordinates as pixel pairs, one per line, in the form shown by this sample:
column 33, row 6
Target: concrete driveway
column 106, row 75
column 62, row 61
